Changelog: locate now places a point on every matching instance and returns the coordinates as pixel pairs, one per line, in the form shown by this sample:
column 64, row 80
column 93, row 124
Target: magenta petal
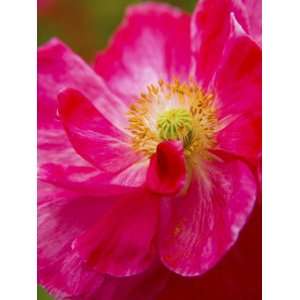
column 60, row 164
column 54, row 148
column 93, row 137
column 249, row 12
column 123, row 242
column 238, row 87
column 62, row 216
column 134, row 175
column 243, row 136
column 199, row 227
column 60, row 68
column 152, row 43
column 238, row 82
column 236, row 277
column 167, row 171
column 210, row 28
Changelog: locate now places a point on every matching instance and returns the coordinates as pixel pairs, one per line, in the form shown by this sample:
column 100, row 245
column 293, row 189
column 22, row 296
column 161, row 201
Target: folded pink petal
column 201, row 226
column 60, row 68
column 92, row 136
column 238, row 91
column 123, row 242
column 209, row 30
column 167, row 171
column 152, row 43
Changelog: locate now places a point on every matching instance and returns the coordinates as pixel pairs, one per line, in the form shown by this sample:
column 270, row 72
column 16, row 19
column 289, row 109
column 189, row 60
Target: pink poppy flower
column 148, row 162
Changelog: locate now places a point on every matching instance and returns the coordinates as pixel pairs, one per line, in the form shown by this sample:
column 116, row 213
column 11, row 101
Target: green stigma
column 174, row 124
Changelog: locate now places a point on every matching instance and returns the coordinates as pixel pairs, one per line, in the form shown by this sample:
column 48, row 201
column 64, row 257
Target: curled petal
column 93, row 137
column 167, row 172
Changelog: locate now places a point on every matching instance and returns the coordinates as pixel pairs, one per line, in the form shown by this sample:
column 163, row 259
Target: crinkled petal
column 60, row 68
column 238, row 91
column 152, row 43
column 167, row 172
column 209, row 30
column 201, row 226
column 93, row 137
column 123, row 242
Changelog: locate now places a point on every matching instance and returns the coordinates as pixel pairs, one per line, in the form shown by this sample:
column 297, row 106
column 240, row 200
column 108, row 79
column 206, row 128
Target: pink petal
column 93, row 137
column 249, row 12
column 209, row 28
column 167, row 172
column 238, row 88
column 243, row 136
column 152, row 43
column 54, row 149
column 134, row 175
column 201, row 226
column 123, row 243
column 236, row 277
column 60, row 68
column 58, row 162
column 238, row 80
column 62, row 216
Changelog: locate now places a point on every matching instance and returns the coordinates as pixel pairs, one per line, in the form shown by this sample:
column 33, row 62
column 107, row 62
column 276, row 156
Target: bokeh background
column 86, row 26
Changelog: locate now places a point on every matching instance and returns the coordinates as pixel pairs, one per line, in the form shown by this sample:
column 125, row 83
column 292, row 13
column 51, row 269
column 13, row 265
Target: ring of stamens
column 173, row 111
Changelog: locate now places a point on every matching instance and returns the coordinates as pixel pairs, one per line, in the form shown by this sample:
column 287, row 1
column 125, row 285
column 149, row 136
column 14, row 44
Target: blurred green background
column 85, row 25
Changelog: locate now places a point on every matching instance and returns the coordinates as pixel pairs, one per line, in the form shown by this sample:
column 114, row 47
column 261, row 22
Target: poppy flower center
column 174, row 124
column 173, row 111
